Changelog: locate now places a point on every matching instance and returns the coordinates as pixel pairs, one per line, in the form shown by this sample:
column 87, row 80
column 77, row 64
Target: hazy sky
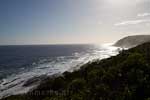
column 72, row 21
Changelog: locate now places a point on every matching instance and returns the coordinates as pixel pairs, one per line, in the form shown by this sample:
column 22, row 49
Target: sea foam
column 14, row 84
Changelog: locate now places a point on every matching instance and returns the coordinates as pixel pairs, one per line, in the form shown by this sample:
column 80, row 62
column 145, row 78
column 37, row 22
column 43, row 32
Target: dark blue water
column 18, row 64
column 14, row 59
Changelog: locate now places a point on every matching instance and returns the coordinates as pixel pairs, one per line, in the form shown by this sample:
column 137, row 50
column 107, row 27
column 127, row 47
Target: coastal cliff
column 122, row 77
column 132, row 41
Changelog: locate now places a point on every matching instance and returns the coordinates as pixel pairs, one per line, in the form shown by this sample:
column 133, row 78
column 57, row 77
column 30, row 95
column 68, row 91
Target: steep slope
column 122, row 77
column 132, row 41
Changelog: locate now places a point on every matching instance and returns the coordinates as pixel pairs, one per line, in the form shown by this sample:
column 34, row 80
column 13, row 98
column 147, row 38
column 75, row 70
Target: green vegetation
column 122, row 77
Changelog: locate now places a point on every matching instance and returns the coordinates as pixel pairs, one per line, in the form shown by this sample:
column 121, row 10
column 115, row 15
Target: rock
column 132, row 41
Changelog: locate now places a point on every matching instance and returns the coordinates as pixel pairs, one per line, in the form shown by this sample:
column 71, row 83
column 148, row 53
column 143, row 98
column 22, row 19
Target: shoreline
column 35, row 80
column 115, row 76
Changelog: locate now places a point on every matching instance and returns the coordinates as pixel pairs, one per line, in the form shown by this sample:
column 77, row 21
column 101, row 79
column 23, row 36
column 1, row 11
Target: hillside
column 132, row 41
column 122, row 77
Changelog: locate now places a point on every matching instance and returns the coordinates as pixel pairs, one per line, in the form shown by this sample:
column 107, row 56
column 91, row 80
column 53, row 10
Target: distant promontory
column 132, row 41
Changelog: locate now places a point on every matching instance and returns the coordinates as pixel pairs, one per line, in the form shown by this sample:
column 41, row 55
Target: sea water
column 20, row 63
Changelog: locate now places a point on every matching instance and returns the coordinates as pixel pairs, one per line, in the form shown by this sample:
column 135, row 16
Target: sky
column 71, row 21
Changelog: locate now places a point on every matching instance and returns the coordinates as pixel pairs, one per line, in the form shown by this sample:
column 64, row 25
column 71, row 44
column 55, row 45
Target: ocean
column 20, row 63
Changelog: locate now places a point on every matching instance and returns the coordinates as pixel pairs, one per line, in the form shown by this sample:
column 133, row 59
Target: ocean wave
column 24, row 81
